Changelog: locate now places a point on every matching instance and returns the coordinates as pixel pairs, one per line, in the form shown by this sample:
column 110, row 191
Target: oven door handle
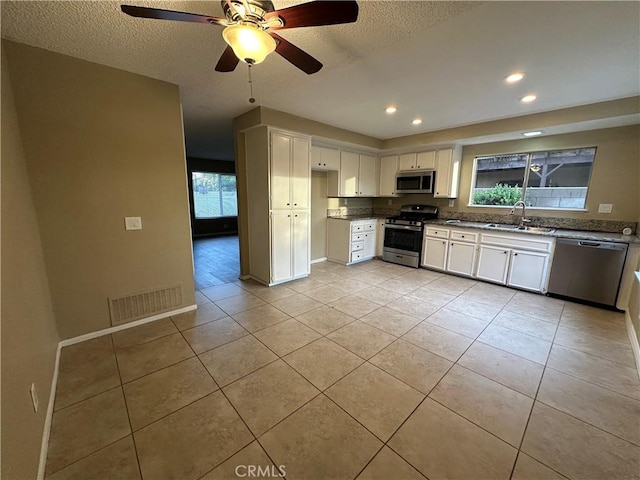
column 402, row 227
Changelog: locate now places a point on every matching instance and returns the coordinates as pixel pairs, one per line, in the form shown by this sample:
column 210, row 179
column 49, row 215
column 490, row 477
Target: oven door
column 402, row 237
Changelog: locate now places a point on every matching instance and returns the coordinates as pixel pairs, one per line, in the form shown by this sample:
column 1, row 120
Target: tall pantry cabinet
column 279, row 197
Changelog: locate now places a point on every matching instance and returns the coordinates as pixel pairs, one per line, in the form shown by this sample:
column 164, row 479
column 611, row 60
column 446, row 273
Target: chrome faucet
column 523, row 219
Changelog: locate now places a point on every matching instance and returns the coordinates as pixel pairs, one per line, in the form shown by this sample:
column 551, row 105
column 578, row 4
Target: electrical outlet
column 133, row 223
column 605, row 208
column 451, row 203
column 346, row 201
column 389, row 202
column 34, row 397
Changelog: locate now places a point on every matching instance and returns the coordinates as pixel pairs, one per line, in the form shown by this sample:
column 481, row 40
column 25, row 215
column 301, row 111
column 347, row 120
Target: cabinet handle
column 504, row 253
column 462, row 236
column 444, row 243
column 295, row 204
column 288, row 215
column 287, row 204
column 515, row 254
column 295, row 215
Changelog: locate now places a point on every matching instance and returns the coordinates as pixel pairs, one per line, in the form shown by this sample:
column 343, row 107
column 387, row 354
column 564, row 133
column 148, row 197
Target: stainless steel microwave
column 415, row 182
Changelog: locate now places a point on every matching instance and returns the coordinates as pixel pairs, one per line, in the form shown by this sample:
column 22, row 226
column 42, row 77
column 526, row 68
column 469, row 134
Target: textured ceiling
column 442, row 61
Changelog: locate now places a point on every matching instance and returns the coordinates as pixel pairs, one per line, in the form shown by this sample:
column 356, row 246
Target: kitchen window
column 555, row 179
column 214, row 195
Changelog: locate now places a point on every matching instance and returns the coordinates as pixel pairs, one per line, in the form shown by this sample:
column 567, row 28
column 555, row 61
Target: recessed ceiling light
column 417, row 121
column 391, row 109
column 534, row 133
column 528, row 98
column 514, row 77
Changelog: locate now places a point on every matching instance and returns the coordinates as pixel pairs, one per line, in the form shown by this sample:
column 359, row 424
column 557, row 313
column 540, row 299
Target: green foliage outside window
column 499, row 195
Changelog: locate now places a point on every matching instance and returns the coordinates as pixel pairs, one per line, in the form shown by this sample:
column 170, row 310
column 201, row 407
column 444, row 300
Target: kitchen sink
column 504, row 226
column 528, row 228
column 525, row 228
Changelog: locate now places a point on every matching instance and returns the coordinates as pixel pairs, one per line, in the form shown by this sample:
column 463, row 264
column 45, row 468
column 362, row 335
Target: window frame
column 529, row 154
column 193, row 192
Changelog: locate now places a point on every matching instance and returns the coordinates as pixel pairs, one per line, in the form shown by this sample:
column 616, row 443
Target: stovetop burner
column 414, row 215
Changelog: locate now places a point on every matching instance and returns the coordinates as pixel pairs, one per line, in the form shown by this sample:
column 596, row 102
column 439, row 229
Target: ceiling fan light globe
column 250, row 43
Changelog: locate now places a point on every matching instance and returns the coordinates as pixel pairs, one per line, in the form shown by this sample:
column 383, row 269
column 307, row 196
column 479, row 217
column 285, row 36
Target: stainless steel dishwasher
column 587, row 270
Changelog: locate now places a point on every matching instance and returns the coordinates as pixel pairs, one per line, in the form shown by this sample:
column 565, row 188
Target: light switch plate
column 133, row 223
column 605, row 208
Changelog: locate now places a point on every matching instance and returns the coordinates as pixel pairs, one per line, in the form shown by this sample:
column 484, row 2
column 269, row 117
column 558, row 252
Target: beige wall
column 614, row 178
column 29, row 335
column 102, row 144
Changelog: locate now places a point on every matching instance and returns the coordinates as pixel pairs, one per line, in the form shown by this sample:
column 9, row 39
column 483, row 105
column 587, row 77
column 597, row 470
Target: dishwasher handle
column 591, row 244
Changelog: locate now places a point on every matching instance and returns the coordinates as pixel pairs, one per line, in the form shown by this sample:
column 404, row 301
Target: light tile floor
column 373, row 371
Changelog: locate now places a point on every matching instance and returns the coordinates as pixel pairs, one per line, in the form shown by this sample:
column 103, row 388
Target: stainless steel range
column 403, row 234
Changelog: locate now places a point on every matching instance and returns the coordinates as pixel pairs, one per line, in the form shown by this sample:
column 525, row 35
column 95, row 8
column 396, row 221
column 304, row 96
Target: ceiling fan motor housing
column 238, row 12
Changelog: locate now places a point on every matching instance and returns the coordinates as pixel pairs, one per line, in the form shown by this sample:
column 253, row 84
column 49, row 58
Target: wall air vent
column 144, row 304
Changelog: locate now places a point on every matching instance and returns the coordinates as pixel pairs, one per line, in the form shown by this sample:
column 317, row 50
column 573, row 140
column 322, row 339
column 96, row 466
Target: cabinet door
column 300, row 244
column 323, row 158
column 367, row 176
column 349, row 164
column 434, row 253
column 281, row 259
column 280, row 174
column 406, row 162
column 379, row 238
column 300, row 173
column 426, row 160
column 388, row 171
column 493, row 264
column 462, row 257
column 447, row 173
column 528, row 270
column 370, row 244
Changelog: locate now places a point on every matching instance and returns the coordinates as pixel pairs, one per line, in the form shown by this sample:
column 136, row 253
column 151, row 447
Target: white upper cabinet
column 358, row 176
column 323, row 158
column 448, row 173
column 289, row 171
column 349, row 170
column 426, row 160
column 388, row 171
column 367, row 176
column 417, row 161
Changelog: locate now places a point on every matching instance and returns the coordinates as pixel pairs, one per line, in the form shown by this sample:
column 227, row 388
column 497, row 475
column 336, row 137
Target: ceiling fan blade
column 296, row 56
column 145, row 12
column 228, row 61
column 313, row 14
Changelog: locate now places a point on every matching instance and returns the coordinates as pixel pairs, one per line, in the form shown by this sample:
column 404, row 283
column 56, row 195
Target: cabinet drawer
column 369, row 226
column 464, row 236
column 357, row 237
column 437, row 232
column 357, row 246
column 357, row 227
column 355, row 256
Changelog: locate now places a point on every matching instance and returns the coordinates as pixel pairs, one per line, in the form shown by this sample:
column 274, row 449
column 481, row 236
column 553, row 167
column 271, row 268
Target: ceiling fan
column 251, row 26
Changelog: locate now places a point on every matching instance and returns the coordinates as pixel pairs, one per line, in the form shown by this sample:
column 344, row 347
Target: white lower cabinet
column 516, row 260
column 289, row 245
column 493, row 264
column 350, row 241
column 528, row 270
column 435, row 253
column 462, row 257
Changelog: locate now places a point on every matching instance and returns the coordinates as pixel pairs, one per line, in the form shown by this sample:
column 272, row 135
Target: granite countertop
column 558, row 233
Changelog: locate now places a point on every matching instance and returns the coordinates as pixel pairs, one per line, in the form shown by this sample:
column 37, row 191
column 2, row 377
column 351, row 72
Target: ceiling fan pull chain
column 251, row 99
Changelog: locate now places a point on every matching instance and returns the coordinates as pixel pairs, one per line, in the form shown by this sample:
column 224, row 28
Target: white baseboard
column 633, row 337
column 71, row 341
column 125, row 326
column 319, row 260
